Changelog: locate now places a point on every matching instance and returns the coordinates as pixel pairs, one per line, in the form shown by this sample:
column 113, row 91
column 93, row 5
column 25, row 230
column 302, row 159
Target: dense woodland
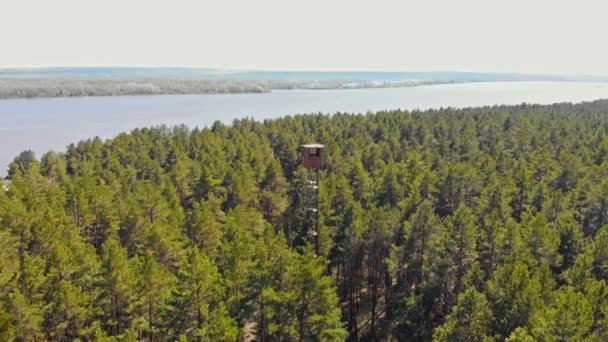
column 479, row 224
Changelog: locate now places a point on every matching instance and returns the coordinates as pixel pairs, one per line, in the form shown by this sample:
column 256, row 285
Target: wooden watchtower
column 313, row 159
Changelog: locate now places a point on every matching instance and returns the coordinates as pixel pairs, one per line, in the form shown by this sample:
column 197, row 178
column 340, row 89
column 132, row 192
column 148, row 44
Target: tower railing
column 313, row 159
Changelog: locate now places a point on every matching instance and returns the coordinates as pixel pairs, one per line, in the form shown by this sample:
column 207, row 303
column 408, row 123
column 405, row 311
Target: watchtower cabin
column 313, row 159
column 313, row 156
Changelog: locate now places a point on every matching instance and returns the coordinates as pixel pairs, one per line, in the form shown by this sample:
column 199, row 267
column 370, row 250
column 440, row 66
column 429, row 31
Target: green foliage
column 468, row 321
column 520, row 335
column 196, row 307
column 516, row 297
column 117, row 286
column 314, row 301
column 568, row 318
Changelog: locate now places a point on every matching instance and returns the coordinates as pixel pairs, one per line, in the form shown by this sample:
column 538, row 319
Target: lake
column 52, row 123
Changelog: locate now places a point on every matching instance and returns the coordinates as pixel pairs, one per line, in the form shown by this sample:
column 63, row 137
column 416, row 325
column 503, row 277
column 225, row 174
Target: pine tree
column 315, row 302
column 515, row 295
column 204, row 229
column 22, row 318
column 273, row 199
column 568, row 318
column 153, row 290
column 520, row 335
column 462, row 234
column 196, row 308
column 117, row 287
column 68, row 313
column 469, row 320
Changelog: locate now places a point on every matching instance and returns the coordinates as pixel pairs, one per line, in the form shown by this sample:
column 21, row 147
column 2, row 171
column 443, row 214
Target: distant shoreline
column 126, row 81
column 27, row 88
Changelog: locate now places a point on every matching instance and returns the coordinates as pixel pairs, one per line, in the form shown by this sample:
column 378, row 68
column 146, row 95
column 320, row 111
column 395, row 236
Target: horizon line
column 265, row 69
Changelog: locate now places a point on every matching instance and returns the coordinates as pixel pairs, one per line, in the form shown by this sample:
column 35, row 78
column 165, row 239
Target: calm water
column 43, row 124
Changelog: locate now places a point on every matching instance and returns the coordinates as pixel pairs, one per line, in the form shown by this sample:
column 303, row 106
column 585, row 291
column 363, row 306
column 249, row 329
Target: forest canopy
column 477, row 224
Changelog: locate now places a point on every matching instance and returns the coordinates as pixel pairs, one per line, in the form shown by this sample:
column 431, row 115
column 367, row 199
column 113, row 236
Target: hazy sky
column 547, row 36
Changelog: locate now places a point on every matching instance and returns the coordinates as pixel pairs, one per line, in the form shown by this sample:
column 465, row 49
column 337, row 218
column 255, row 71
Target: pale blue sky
column 477, row 35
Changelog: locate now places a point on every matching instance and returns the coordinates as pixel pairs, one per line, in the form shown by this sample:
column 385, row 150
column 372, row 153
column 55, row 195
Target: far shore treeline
column 477, row 224
column 72, row 87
